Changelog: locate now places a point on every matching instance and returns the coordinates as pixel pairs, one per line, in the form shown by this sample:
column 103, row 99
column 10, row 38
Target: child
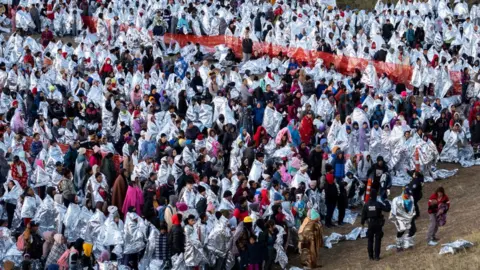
column 255, row 254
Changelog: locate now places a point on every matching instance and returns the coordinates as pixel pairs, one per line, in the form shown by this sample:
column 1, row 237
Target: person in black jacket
column 247, row 45
column 416, row 186
column 375, row 173
column 148, row 60
column 176, row 238
column 381, row 55
column 387, row 30
column 372, row 211
column 331, row 194
column 201, row 205
column 315, row 160
column 309, row 86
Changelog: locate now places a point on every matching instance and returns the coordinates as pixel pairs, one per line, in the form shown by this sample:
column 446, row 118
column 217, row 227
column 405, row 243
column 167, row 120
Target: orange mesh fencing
column 343, row 64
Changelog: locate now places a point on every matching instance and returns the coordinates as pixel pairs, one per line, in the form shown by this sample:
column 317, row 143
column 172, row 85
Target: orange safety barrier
column 369, row 188
column 343, row 64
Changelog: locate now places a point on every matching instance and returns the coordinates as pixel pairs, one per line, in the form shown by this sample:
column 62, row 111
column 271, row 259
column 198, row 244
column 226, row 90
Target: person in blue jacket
column 258, row 112
column 181, row 67
column 338, row 164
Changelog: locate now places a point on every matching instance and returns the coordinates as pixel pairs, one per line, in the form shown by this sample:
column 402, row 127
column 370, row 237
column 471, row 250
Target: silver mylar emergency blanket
column 256, row 171
column 360, row 117
column 334, row 238
column 350, row 216
column 205, row 115
column 281, row 257
column 354, row 234
column 29, row 207
column 189, row 155
column 454, row 247
column 257, row 66
column 150, row 246
column 11, row 196
column 369, row 76
column 285, row 151
column 75, row 221
column 453, row 141
column 272, row 121
column 178, row 263
column 399, row 216
column 95, row 232
column 270, row 148
column 6, row 242
column 41, row 177
column 221, row 107
column 217, row 241
column 143, row 170
column 113, row 232
column 46, row 215
column 194, row 250
column 135, row 234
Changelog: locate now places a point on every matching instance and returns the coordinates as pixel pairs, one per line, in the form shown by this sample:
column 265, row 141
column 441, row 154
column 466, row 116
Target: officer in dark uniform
column 372, row 211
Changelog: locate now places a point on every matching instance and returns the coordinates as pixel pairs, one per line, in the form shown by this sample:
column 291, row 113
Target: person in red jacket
column 241, row 211
column 306, row 128
column 438, row 205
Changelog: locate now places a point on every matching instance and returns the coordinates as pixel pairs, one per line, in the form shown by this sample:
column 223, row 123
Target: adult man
column 372, row 211
column 247, row 46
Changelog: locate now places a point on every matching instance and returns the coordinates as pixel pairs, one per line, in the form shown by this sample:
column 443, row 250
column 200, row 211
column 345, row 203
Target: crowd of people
column 181, row 158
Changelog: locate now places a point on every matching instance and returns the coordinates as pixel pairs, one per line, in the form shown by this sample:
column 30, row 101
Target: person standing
column 331, row 194
column 402, row 215
column 310, row 239
column 372, row 212
column 438, row 205
column 247, row 46
column 416, row 186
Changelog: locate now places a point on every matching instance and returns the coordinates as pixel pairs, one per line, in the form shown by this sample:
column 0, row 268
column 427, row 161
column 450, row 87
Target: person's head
column 191, row 220
column 380, row 160
column 253, row 239
column 440, row 191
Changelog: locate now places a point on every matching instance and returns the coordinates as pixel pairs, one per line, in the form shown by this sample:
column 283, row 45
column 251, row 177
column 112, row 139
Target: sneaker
column 377, row 259
column 436, row 239
column 371, row 258
column 432, row 243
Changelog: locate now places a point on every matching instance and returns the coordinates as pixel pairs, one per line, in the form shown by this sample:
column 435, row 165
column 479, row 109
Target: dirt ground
column 462, row 223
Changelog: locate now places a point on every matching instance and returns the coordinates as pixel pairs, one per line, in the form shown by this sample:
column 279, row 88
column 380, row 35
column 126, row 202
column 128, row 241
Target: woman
column 438, row 205
column 310, row 239
column 134, row 197
column 119, row 190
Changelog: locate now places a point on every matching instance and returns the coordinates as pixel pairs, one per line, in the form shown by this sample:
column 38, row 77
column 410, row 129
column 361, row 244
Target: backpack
column 161, row 212
column 63, row 260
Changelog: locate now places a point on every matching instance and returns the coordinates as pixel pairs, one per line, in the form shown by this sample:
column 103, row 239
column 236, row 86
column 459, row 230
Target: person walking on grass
column 438, row 206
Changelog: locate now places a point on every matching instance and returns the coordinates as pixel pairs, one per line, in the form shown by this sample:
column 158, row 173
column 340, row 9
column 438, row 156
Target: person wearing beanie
column 372, row 212
column 310, row 239
column 403, row 216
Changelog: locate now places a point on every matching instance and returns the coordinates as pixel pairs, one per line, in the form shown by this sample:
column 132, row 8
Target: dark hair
column 66, row 172
column 440, row 189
